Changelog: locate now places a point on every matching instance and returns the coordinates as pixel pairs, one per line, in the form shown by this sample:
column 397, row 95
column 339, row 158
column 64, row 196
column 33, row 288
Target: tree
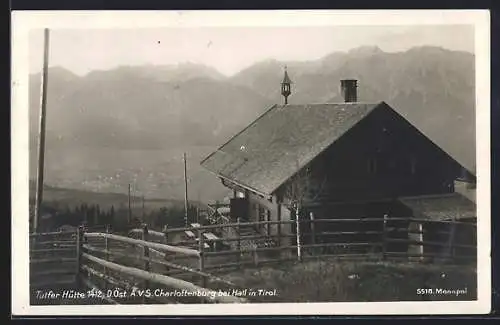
column 297, row 191
column 85, row 211
column 99, row 216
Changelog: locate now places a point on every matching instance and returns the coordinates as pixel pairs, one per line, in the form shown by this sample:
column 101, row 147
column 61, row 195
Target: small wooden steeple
column 286, row 84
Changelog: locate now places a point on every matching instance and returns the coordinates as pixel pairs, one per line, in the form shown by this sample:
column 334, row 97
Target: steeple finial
column 286, row 89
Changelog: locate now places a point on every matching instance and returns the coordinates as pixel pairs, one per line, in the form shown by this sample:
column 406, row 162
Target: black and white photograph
column 274, row 162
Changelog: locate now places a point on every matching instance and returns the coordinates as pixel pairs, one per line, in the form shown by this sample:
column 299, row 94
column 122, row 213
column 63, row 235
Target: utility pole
column 185, row 192
column 198, row 208
column 41, row 130
column 143, row 211
column 129, row 206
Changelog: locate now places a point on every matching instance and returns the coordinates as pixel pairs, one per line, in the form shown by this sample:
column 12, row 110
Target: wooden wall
column 383, row 157
column 380, row 159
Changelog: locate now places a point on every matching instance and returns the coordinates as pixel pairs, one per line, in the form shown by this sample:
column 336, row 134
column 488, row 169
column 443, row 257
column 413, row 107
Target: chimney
column 349, row 88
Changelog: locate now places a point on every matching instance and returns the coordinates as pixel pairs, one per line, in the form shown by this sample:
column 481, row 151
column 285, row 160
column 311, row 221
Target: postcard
column 301, row 162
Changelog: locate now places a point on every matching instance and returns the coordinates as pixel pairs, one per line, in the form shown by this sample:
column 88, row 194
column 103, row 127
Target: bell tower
column 286, row 89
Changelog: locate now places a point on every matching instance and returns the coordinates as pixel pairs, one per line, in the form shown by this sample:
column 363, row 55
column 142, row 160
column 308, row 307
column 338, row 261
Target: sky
column 229, row 49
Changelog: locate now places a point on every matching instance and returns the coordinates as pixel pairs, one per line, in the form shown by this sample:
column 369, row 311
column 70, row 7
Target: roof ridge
column 336, row 103
column 375, row 102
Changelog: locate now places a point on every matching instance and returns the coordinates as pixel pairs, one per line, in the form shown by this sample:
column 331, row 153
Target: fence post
column 421, row 239
column 313, row 232
column 145, row 235
column 255, row 256
column 165, row 234
column 452, row 251
column 216, row 212
column 79, row 244
column 279, row 225
column 33, row 242
column 238, row 243
column 297, row 223
column 268, row 225
column 106, row 256
column 201, row 248
column 384, row 238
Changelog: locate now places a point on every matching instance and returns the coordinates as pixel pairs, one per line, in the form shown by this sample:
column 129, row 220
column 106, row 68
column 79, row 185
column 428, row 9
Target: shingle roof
column 441, row 207
column 283, row 140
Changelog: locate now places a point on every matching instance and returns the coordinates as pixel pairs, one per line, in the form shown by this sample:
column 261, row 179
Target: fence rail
column 145, row 261
column 164, row 280
column 386, row 233
column 173, row 249
column 163, row 259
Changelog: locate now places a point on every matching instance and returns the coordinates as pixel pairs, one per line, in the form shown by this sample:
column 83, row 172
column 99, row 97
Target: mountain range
column 131, row 124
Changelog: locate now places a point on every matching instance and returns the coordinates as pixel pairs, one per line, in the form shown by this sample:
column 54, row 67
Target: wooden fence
column 95, row 269
column 163, row 266
column 52, row 259
column 392, row 239
column 144, row 278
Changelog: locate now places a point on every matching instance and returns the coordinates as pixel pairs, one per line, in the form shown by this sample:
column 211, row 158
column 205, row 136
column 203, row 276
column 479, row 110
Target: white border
column 23, row 21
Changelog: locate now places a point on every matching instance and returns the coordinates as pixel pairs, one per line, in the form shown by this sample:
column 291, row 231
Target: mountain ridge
column 98, row 124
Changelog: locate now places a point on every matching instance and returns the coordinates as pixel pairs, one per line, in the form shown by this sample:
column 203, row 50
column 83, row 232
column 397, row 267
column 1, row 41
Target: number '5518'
column 424, row 291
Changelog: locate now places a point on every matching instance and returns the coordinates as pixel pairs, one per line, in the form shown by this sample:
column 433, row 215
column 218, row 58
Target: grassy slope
column 327, row 280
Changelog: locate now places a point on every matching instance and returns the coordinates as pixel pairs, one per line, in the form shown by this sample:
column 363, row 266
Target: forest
column 116, row 217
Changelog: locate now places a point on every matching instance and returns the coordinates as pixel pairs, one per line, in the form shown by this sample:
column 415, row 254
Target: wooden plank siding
column 362, row 174
column 381, row 158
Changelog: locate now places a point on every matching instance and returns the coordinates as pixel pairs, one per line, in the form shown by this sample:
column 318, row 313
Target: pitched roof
column 441, row 207
column 281, row 141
